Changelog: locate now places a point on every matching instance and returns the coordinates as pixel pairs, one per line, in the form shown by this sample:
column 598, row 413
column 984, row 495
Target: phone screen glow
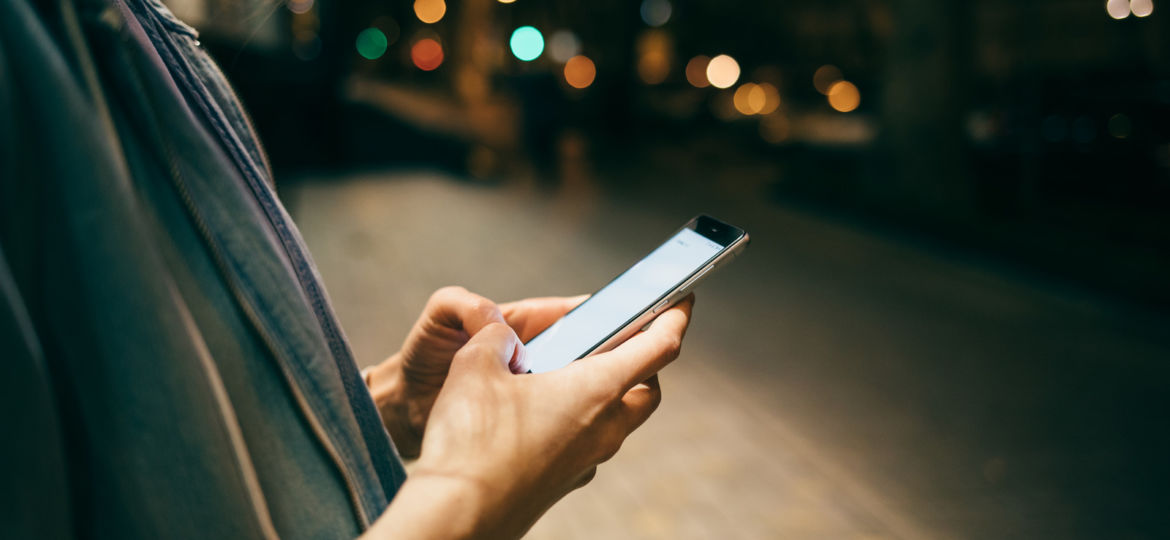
column 623, row 299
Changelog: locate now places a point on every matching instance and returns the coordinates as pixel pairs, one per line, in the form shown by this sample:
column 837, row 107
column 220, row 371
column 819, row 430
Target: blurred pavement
column 836, row 383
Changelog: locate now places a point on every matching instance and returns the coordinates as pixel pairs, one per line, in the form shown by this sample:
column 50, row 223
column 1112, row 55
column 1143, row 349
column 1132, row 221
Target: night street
column 220, row 221
column 835, row 383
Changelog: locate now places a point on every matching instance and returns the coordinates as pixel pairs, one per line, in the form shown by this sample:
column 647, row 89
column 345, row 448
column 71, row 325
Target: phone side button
column 687, row 286
column 661, row 305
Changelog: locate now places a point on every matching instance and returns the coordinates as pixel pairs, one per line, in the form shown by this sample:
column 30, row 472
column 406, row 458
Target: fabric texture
column 172, row 364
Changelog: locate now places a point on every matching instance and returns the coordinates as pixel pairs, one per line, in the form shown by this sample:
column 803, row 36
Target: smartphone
column 629, row 302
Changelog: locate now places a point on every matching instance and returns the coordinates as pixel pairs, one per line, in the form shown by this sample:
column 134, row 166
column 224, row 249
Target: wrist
column 433, row 505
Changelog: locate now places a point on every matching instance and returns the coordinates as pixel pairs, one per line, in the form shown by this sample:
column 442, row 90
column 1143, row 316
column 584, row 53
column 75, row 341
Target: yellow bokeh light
column 753, row 98
column 742, row 98
column 771, row 98
column 722, row 71
column 507, row 1
column 844, row 96
column 697, row 71
column 430, row 11
column 580, row 71
column 825, row 77
column 756, row 99
column 750, row 98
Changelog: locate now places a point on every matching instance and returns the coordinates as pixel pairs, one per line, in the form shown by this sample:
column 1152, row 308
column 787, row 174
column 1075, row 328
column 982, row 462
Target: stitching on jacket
column 345, row 451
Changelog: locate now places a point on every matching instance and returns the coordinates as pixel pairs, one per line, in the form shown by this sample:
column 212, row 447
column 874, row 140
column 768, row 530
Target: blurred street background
column 952, row 321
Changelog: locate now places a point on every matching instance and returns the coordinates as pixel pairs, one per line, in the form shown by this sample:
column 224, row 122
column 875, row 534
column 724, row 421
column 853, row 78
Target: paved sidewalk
column 835, row 384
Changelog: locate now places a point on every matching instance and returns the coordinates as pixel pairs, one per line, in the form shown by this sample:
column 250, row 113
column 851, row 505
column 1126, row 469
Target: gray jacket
column 172, row 367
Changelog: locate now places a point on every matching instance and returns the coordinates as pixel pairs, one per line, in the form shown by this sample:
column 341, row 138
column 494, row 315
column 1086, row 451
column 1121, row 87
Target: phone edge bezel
column 741, row 239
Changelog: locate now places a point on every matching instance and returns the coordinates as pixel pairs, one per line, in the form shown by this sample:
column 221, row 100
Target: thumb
column 495, row 348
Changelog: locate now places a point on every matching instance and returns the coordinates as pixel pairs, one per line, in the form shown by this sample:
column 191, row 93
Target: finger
column 460, row 309
column 647, row 353
column 490, row 350
column 640, row 402
column 532, row 316
column 585, row 477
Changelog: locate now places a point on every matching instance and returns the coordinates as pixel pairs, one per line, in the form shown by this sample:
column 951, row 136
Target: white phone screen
column 623, row 299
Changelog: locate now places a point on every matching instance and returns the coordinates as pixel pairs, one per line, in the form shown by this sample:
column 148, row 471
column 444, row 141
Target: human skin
column 499, row 449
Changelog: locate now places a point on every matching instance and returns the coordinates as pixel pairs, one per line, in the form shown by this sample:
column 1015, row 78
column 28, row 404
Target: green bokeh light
column 371, row 43
column 527, row 43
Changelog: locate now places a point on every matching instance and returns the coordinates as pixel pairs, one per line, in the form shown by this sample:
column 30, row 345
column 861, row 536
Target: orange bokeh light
column 430, row 11
column 654, row 56
column 697, row 71
column 749, row 99
column 771, row 98
column 580, row 71
column 426, row 54
column 825, row 77
column 844, row 96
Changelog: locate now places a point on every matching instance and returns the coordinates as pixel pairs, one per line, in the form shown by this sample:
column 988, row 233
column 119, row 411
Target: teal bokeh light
column 527, row 43
column 372, row 43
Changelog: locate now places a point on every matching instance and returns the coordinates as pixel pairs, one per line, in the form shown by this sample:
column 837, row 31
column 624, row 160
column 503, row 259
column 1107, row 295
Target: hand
column 404, row 387
column 531, row 316
column 501, row 449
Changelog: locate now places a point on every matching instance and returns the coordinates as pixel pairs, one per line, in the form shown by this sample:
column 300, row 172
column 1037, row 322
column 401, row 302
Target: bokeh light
column 749, row 99
column 1141, row 8
column 1118, row 9
column 722, row 71
column 300, row 7
column 371, row 43
column 654, row 56
column 825, row 76
column 1120, row 126
column 844, row 96
column 507, row 1
column 306, row 44
column 771, row 98
column 563, row 45
column 697, row 71
column 427, row 54
column 430, row 11
column 580, row 72
column 527, row 43
column 656, row 12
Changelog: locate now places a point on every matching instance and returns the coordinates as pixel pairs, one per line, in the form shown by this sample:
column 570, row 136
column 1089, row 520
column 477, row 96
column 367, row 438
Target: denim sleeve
column 361, row 440
column 197, row 380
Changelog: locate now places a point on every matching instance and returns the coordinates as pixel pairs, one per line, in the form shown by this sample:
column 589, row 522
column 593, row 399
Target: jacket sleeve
column 34, row 494
column 34, row 490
